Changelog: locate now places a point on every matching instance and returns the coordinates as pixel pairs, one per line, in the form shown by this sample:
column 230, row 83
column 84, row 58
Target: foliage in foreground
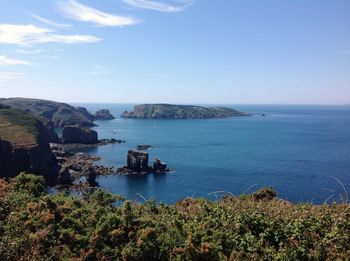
column 38, row 226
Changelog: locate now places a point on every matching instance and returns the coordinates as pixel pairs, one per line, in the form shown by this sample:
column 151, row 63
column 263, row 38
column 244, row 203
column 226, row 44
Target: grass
column 18, row 127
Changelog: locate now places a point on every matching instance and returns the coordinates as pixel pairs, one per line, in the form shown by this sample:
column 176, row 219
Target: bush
column 38, row 226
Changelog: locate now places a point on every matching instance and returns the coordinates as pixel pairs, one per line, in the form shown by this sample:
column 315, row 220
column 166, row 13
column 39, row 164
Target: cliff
column 169, row 111
column 78, row 134
column 24, row 146
column 60, row 114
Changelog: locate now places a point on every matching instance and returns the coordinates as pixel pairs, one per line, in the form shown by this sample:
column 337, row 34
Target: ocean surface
column 303, row 152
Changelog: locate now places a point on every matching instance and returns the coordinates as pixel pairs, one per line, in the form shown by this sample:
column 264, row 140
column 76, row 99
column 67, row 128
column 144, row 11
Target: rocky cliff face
column 24, row 146
column 78, row 134
column 169, row 111
column 103, row 115
column 137, row 161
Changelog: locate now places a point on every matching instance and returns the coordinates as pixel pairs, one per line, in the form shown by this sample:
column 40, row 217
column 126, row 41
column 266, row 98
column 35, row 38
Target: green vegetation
column 99, row 226
column 59, row 114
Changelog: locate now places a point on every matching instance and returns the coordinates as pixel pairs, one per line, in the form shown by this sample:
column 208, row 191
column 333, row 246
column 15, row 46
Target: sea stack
column 138, row 161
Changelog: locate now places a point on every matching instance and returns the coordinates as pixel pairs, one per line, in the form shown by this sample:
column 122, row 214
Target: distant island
column 171, row 111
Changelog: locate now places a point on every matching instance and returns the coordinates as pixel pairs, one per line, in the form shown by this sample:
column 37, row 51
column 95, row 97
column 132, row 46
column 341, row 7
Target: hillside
column 60, row 114
column 170, row 111
column 38, row 226
column 24, row 145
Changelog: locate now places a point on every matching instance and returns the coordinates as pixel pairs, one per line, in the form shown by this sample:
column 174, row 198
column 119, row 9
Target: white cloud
column 6, row 76
column 74, row 10
column 6, row 61
column 157, row 6
column 50, row 22
column 30, row 34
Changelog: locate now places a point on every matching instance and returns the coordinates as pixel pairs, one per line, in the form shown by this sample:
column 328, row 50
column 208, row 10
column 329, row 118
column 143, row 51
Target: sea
column 302, row 152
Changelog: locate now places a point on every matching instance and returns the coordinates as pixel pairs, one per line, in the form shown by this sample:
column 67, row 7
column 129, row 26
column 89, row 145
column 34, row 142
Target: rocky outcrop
column 80, row 146
column 103, row 115
column 78, row 134
column 88, row 115
column 24, row 146
column 159, row 166
column 144, row 147
column 169, row 111
column 137, row 161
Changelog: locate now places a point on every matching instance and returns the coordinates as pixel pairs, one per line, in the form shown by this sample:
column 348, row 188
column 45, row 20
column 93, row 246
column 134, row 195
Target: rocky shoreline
column 80, row 146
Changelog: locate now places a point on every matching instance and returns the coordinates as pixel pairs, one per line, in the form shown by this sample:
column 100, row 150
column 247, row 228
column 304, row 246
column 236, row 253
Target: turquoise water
column 294, row 149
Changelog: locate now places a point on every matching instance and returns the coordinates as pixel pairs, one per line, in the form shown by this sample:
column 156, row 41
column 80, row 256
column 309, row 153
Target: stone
column 90, row 175
column 103, row 115
column 143, row 147
column 79, row 134
column 64, row 177
column 137, row 161
column 159, row 166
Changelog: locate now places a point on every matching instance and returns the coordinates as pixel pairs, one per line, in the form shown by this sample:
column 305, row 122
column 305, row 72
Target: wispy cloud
column 30, row 34
column 50, row 22
column 157, row 6
column 30, row 52
column 6, row 61
column 74, row 10
column 6, row 76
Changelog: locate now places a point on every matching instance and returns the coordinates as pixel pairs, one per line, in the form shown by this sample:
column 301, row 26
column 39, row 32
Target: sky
column 180, row 51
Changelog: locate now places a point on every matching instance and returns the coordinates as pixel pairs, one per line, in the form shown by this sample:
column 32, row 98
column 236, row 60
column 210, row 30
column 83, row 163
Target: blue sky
column 184, row 51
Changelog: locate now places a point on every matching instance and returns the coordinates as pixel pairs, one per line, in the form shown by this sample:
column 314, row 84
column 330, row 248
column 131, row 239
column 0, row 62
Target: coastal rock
column 103, row 115
column 170, row 111
column 137, row 161
column 67, row 147
column 24, row 146
column 159, row 166
column 144, row 147
column 91, row 175
column 88, row 115
column 78, row 134
column 64, row 177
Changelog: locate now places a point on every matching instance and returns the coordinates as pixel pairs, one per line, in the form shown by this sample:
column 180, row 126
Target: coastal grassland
column 35, row 225
column 17, row 127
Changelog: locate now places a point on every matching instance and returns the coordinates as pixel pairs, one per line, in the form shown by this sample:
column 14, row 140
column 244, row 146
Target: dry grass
column 16, row 134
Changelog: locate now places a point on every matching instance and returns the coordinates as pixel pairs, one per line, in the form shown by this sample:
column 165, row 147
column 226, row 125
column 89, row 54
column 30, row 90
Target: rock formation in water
column 103, row 114
column 169, row 111
column 79, row 134
column 24, row 146
column 137, row 161
column 159, row 166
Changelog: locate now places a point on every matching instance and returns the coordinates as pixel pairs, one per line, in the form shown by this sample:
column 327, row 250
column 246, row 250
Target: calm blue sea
column 295, row 149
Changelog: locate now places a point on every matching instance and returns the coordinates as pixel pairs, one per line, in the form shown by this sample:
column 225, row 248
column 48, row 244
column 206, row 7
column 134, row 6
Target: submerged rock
column 144, row 147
